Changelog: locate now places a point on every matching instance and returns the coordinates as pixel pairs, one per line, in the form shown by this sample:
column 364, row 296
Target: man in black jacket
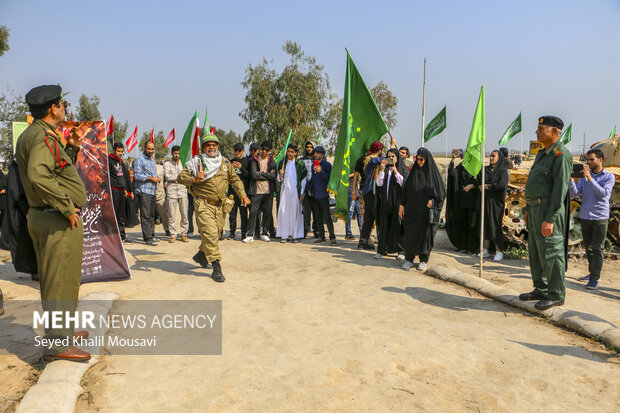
column 241, row 165
column 120, row 184
column 261, row 189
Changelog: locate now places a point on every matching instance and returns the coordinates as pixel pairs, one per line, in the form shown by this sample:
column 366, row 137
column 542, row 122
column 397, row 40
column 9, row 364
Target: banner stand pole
column 423, row 102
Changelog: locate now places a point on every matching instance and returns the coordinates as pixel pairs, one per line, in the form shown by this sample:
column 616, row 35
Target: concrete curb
column 584, row 323
column 58, row 386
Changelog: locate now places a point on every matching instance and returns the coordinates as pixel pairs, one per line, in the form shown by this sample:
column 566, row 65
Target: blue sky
column 155, row 62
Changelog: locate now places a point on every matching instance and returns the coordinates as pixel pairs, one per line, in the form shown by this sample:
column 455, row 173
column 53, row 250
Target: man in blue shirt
column 595, row 188
column 321, row 169
column 146, row 180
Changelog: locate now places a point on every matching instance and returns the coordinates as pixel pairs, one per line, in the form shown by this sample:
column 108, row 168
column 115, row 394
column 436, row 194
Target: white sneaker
column 265, row 238
column 400, row 257
column 407, row 265
column 498, row 256
column 485, row 253
column 283, row 240
column 378, row 256
column 248, row 239
column 422, row 266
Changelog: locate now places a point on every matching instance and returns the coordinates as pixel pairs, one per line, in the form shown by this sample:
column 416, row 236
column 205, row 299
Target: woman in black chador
column 462, row 212
column 496, row 185
column 392, row 176
column 421, row 204
column 15, row 235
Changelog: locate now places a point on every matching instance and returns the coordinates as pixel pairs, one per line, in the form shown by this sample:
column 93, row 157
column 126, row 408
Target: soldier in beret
column 208, row 177
column 547, row 214
column 56, row 194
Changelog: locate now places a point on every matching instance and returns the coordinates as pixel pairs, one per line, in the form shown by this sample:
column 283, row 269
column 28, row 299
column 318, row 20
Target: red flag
column 71, row 116
column 109, row 128
column 170, row 138
column 153, row 134
column 213, row 130
column 132, row 141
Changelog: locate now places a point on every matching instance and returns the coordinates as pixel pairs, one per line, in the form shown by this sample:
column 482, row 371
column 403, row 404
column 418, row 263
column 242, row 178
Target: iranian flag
column 189, row 145
column 132, row 141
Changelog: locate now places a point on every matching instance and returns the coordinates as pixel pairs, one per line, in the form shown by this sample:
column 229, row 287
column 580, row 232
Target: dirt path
column 310, row 328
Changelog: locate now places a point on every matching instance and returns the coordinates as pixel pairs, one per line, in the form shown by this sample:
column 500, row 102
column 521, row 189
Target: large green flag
column 282, row 152
column 361, row 125
column 613, row 133
column 513, row 129
column 473, row 158
column 567, row 134
column 435, row 126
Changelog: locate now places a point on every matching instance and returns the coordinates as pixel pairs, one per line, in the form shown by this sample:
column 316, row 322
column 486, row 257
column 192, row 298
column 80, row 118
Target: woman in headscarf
column 496, row 185
column 420, row 207
column 390, row 180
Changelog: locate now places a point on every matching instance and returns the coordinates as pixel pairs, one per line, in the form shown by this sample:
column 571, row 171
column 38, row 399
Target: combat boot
column 200, row 259
column 217, row 272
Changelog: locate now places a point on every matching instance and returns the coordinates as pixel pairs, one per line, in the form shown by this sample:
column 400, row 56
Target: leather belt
column 216, row 203
column 537, row 201
column 45, row 209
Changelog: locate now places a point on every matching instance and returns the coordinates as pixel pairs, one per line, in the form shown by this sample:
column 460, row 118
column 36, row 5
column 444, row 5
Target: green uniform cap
column 209, row 137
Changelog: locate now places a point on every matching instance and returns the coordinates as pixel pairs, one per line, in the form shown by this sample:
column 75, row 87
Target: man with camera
column 595, row 186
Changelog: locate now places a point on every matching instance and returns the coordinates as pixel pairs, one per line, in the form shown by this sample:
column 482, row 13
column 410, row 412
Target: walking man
column 546, row 216
column 176, row 197
column 208, row 176
column 262, row 187
column 321, row 170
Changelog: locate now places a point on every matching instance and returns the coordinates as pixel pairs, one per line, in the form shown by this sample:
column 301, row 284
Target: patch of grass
column 516, row 253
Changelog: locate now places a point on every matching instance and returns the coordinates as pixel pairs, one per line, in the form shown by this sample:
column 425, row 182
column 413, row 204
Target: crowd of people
column 401, row 199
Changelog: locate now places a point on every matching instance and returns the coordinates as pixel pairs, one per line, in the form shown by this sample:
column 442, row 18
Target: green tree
column 12, row 108
column 227, row 141
column 296, row 98
column 386, row 102
column 160, row 152
column 4, row 40
column 88, row 109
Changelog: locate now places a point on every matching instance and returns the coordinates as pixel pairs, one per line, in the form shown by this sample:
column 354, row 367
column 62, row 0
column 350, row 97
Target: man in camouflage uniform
column 546, row 215
column 208, row 176
column 56, row 194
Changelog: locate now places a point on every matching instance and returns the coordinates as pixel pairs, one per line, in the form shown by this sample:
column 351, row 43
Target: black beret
column 552, row 121
column 41, row 95
column 254, row 146
column 238, row 146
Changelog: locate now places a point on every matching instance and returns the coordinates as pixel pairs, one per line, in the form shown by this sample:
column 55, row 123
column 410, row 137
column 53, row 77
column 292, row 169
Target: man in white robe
column 293, row 176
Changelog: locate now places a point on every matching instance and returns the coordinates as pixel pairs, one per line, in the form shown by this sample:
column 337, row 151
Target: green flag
column 513, row 129
column 473, row 158
column 566, row 135
column 283, row 150
column 613, row 133
column 361, row 125
column 435, row 126
column 190, row 146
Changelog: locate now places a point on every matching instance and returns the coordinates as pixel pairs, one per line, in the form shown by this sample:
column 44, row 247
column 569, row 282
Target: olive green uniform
column 53, row 189
column 545, row 191
column 209, row 196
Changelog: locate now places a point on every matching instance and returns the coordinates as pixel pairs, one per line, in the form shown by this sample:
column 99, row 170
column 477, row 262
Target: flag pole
column 447, row 163
column 482, row 213
column 423, row 102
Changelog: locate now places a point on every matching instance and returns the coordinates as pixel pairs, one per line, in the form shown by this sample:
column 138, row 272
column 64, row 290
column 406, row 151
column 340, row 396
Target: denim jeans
column 354, row 208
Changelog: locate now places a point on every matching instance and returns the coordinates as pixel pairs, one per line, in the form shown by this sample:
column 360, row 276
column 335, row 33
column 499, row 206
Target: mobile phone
column 577, row 169
column 390, row 162
column 316, row 163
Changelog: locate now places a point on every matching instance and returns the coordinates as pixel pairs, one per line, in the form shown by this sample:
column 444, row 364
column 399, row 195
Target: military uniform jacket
column 213, row 189
column 47, row 170
column 548, row 180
